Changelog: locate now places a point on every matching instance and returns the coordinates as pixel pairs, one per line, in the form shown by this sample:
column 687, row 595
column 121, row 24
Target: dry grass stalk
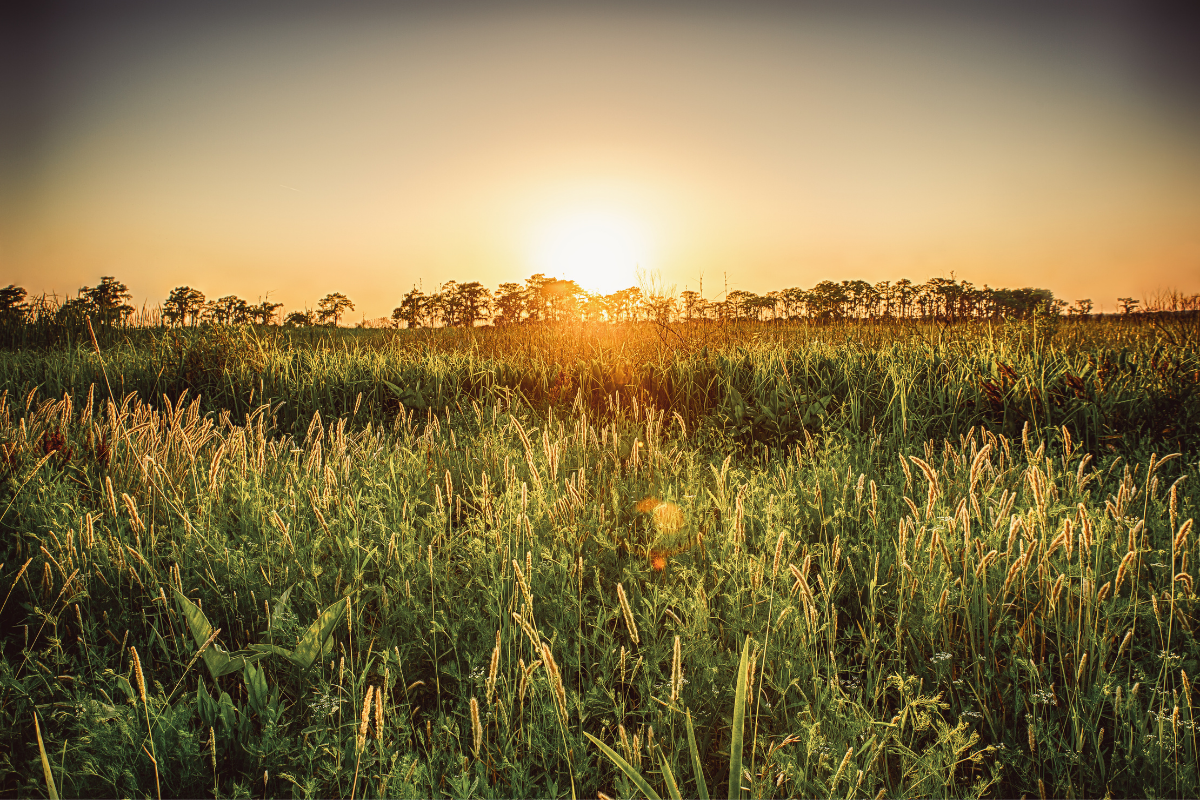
column 628, row 612
column 365, row 718
column 676, row 672
column 476, row 726
column 778, row 553
column 492, row 669
column 841, row 768
column 137, row 672
column 556, row 682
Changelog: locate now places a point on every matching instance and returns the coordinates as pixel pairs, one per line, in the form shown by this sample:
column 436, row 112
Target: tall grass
column 1005, row 609
column 1110, row 382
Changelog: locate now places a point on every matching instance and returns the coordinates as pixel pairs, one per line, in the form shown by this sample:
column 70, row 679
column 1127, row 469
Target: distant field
column 962, row 558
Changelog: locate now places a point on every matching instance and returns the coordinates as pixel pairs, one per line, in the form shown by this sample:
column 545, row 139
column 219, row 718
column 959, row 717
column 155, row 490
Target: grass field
column 953, row 560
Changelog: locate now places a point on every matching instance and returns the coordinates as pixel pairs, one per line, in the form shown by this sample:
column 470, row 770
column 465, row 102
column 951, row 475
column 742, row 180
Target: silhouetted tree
column 412, row 309
column 473, row 303
column 183, row 304
column 332, row 306
column 108, row 299
column 298, row 319
column 263, row 313
column 510, row 304
column 560, row 300
column 12, row 304
column 693, row 305
column 228, row 310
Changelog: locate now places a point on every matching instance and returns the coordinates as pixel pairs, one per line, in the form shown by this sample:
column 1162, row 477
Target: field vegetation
column 844, row 558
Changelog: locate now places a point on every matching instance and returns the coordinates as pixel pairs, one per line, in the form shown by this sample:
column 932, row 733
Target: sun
column 602, row 251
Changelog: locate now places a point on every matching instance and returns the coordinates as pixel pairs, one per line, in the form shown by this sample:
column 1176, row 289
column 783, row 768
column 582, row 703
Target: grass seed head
column 476, row 726
column 628, row 612
column 676, row 672
column 137, row 672
column 365, row 718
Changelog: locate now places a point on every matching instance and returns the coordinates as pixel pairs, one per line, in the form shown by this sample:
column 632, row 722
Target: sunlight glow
column 600, row 250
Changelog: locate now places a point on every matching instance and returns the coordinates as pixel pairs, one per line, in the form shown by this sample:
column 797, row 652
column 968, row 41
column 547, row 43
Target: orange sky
column 363, row 153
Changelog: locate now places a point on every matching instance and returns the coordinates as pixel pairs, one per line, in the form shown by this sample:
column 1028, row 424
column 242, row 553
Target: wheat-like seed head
column 379, row 707
column 778, row 553
column 676, row 673
column 841, row 768
column 491, row 678
column 364, row 718
column 476, row 726
column 137, row 671
column 556, row 682
column 628, row 612
column 977, row 465
column 1180, row 540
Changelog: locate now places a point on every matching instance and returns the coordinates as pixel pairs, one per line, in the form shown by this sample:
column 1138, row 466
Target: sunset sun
column 601, row 251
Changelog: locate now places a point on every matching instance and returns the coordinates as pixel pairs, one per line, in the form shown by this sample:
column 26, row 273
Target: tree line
column 542, row 299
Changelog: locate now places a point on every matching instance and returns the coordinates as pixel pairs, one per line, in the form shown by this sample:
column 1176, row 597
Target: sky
column 289, row 150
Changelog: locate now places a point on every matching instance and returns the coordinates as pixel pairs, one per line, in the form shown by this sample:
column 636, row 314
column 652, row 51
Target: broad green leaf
column 272, row 649
column 629, row 770
column 256, row 685
column 216, row 659
column 123, row 682
column 281, row 606
column 697, row 767
column 672, row 787
column 318, row 639
column 228, row 712
column 50, row 787
column 739, row 715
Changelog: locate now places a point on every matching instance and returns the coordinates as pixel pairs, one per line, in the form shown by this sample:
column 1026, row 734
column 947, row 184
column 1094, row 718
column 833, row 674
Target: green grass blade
column 697, row 767
column 50, row 788
column 739, row 715
column 672, row 787
column 629, row 770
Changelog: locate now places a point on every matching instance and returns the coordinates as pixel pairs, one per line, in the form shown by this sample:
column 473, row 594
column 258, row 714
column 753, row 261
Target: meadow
column 859, row 559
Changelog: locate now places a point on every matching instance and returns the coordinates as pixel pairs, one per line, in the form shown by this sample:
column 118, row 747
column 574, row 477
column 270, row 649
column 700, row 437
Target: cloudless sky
column 298, row 149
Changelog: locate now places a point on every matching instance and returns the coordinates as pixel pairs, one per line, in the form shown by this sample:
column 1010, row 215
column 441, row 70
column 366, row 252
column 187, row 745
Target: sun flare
column 601, row 251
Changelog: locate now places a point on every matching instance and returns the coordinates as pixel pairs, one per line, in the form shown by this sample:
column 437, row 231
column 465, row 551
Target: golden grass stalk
column 379, row 708
column 628, row 612
column 841, row 768
column 556, row 682
column 141, row 685
column 495, row 665
column 1180, row 540
column 977, row 465
column 778, row 553
column 676, row 673
column 476, row 726
column 364, row 718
